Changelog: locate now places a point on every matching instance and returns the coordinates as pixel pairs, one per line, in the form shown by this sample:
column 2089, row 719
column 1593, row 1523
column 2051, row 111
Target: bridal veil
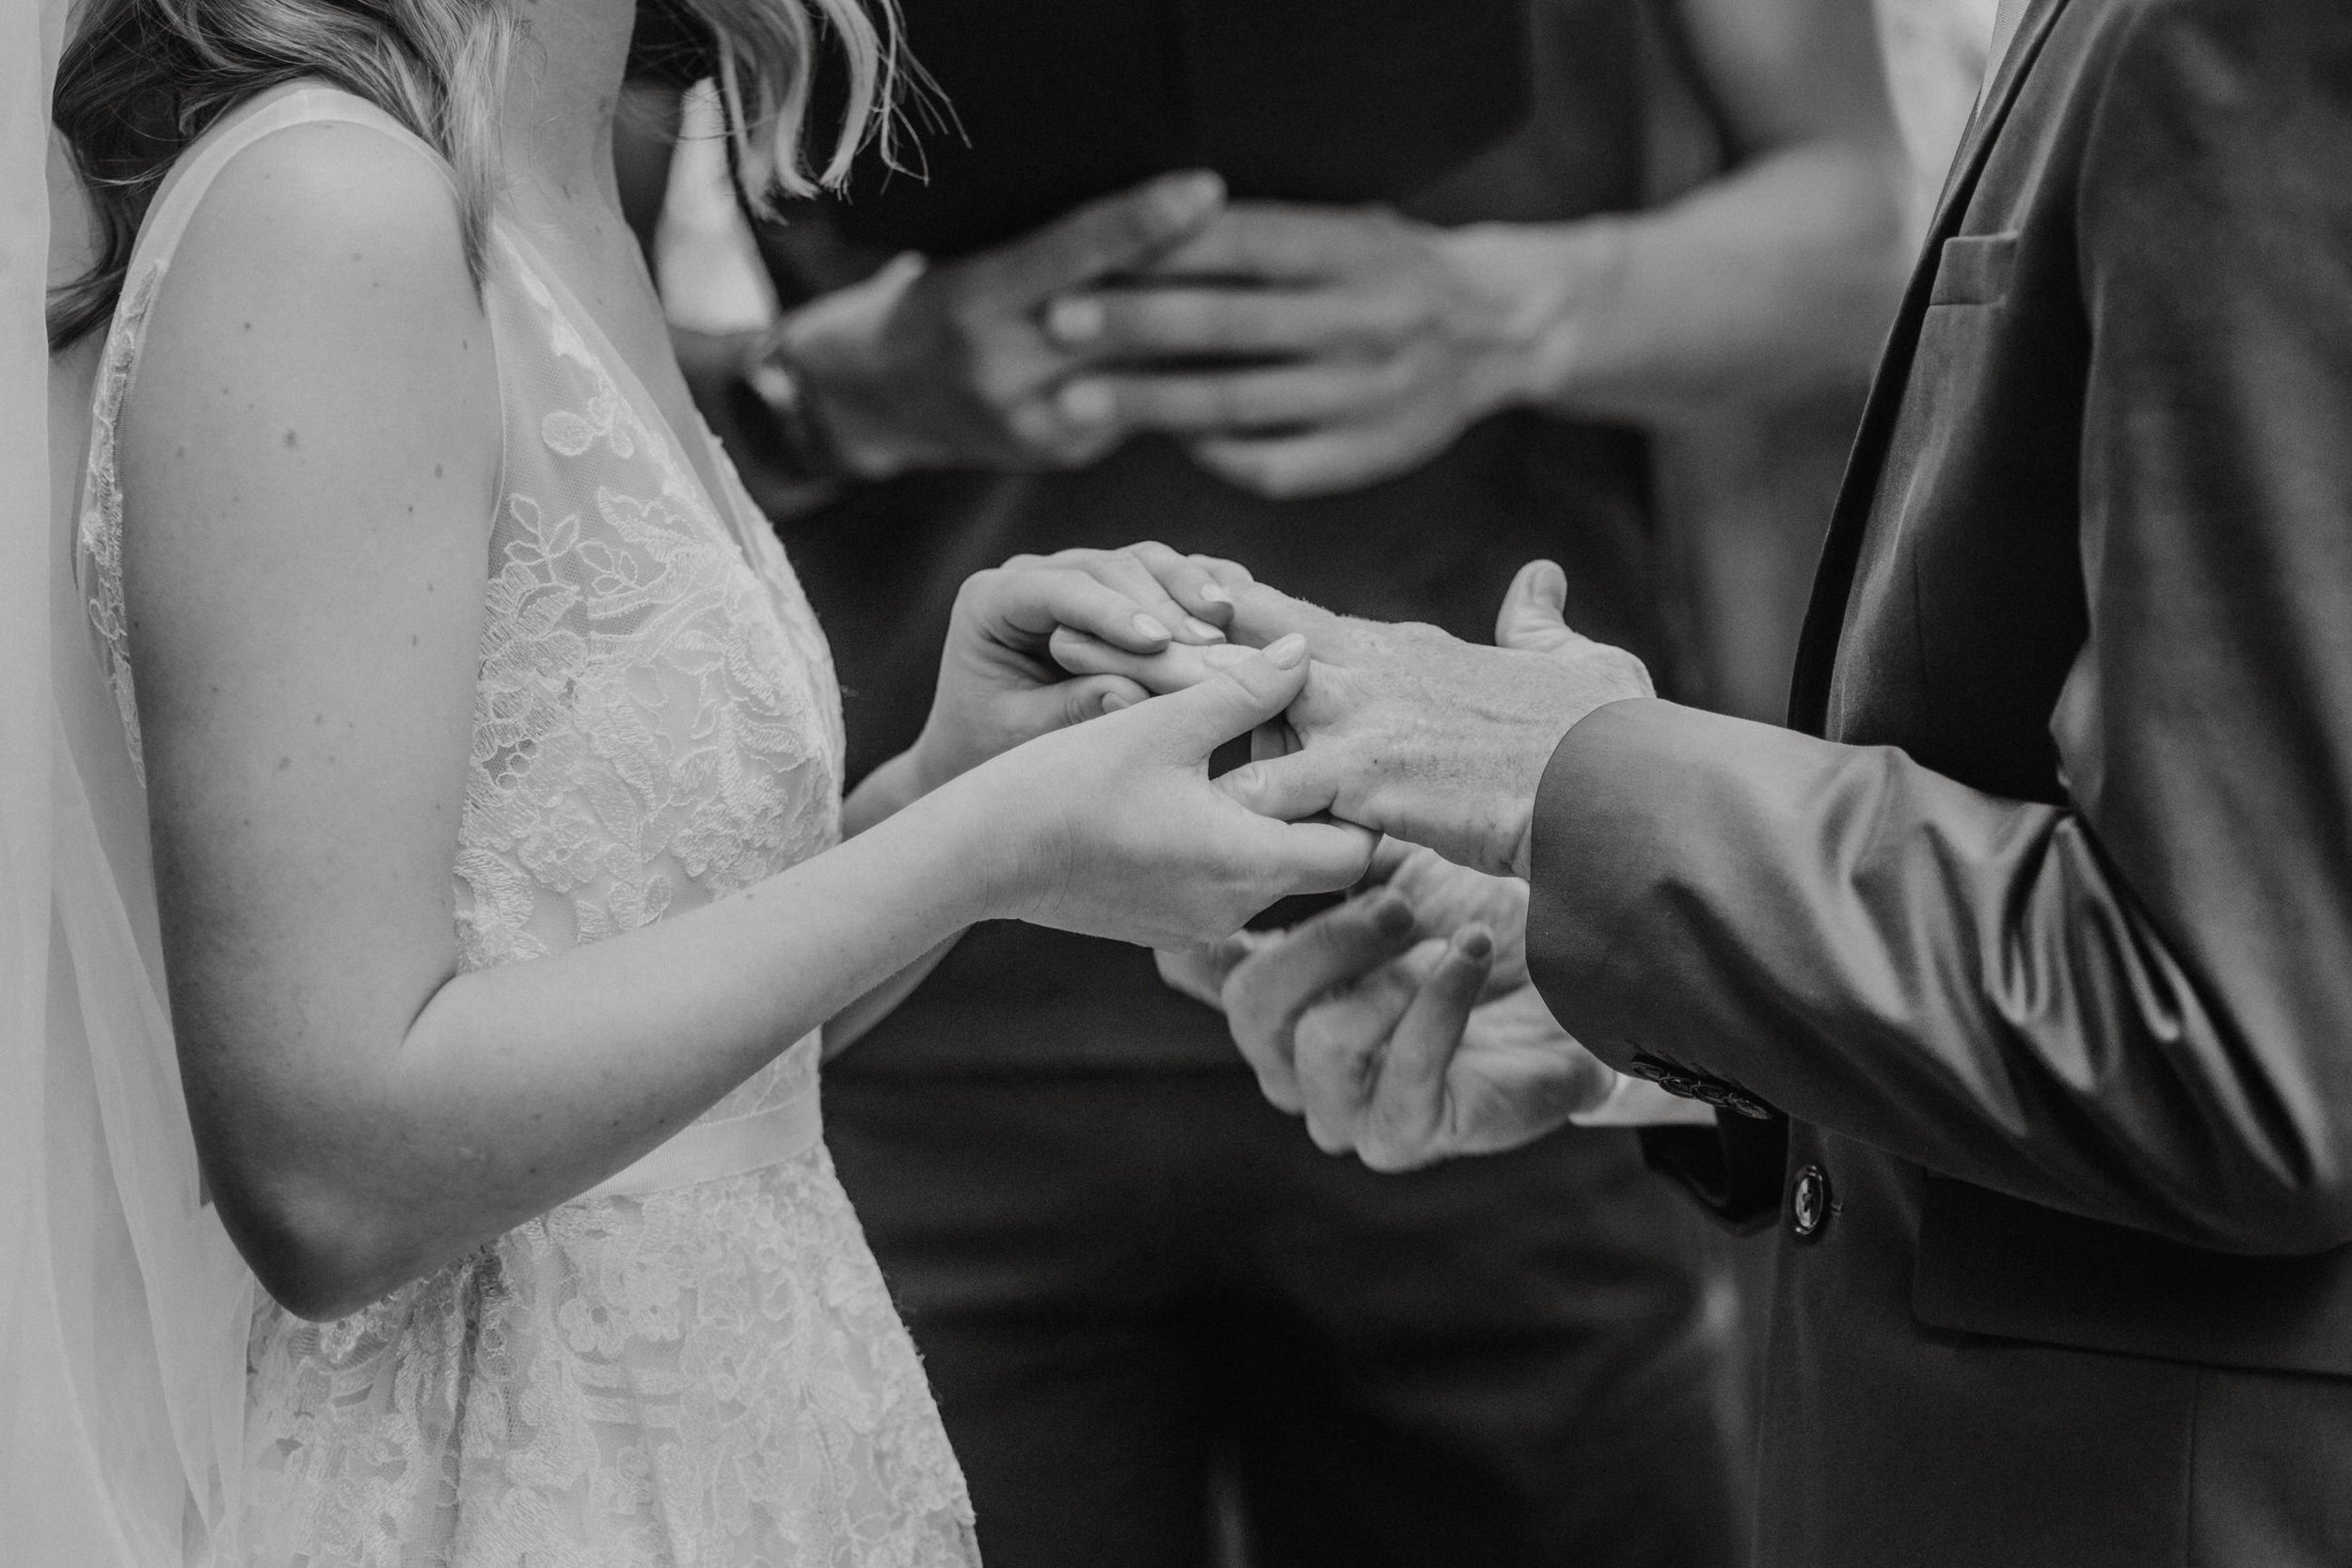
column 124, row 1308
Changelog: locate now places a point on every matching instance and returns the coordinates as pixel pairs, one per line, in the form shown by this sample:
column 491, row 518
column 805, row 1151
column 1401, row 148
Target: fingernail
column 1286, row 653
column 1084, row 403
column 1202, row 630
column 1214, row 593
column 1391, row 916
column 1152, row 629
column 1114, row 701
column 1475, row 942
column 1074, row 320
column 1194, row 193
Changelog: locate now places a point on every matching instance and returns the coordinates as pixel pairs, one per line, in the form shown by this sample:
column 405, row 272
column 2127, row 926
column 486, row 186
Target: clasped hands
column 1292, row 350
column 1402, row 1024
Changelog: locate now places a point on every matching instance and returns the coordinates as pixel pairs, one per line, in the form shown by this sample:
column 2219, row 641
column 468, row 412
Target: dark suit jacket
column 2039, row 932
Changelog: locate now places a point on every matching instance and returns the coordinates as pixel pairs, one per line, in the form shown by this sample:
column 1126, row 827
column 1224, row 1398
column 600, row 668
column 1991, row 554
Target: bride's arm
column 310, row 454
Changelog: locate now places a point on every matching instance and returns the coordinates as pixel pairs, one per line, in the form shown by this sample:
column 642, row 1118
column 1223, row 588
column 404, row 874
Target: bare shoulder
column 322, row 275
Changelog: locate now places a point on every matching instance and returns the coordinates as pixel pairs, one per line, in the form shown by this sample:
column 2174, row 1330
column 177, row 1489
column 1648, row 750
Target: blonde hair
column 142, row 79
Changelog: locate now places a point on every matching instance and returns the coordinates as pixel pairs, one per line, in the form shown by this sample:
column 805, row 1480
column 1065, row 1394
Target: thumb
column 1532, row 617
column 1236, row 701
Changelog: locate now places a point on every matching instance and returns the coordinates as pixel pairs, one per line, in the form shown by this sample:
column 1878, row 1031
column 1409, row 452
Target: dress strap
column 293, row 104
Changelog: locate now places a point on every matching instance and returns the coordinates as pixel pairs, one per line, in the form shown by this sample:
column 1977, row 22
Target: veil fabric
column 123, row 1307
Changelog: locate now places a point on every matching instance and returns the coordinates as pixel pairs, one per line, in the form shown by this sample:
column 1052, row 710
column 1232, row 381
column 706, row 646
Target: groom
column 2022, row 976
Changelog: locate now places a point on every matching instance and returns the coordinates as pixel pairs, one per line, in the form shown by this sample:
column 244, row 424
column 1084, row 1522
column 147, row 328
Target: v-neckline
column 632, row 387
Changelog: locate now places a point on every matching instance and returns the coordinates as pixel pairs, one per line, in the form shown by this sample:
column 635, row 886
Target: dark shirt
column 1456, row 113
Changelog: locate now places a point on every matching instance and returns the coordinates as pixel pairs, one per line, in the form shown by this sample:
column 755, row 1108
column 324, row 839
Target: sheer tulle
column 708, row 1373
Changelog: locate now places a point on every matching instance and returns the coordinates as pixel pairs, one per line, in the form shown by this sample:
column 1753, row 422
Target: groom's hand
column 1426, row 737
column 1402, row 728
column 1402, row 1025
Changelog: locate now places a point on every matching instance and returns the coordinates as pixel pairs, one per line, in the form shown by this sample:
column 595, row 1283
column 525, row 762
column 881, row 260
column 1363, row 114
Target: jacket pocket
column 1974, row 269
column 1995, row 1265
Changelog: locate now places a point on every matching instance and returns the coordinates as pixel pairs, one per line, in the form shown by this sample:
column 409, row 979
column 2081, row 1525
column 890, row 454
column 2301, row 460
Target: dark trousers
column 1120, row 1280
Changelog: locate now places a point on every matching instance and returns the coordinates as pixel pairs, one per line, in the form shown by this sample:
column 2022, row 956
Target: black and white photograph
column 1175, row 784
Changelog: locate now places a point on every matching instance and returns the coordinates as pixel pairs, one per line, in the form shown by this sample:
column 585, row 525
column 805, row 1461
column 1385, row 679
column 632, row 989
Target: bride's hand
column 1113, row 828
column 998, row 684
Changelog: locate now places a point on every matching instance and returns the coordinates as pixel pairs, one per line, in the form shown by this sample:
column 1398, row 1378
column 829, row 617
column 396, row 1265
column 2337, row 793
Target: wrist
column 1002, row 864
column 1551, row 282
column 835, row 350
column 986, row 868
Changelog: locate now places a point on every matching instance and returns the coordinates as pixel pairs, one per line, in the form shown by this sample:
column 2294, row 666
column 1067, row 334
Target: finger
column 1340, row 1038
column 1533, row 610
column 1312, row 857
column 1078, row 701
column 1222, row 402
column 1127, row 571
column 1177, row 667
column 1035, row 600
column 1277, row 739
column 1409, row 1099
column 1050, row 436
column 1235, row 700
column 1141, row 324
column 1270, row 986
column 1304, row 784
column 1390, row 858
column 1115, row 234
column 1200, row 971
column 1265, row 242
column 1316, row 462
column 1263, row 614
column 1337, row 1071
column 1193, row 581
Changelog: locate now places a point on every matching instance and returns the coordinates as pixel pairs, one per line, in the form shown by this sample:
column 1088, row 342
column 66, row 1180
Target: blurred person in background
column 1454, row 263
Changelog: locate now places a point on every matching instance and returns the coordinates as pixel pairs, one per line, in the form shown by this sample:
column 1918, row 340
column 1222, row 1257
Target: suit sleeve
column 2136, row 1006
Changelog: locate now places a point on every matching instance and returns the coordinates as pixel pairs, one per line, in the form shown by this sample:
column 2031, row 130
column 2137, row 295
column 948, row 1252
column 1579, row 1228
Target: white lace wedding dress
column 697, row 1363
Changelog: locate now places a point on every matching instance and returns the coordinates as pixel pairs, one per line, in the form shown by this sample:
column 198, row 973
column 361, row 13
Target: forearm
column 880, row 794
column 518, row 1087
column 1958, row 978
column 1775, row 280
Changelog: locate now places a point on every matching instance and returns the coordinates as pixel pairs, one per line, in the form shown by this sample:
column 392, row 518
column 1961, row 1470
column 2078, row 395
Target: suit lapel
column 1841, row 552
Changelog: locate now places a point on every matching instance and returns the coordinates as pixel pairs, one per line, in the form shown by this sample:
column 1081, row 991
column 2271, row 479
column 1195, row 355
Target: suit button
column 1808, row 1201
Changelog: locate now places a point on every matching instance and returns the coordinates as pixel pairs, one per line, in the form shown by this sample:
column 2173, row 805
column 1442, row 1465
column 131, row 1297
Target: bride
column 491, row 763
